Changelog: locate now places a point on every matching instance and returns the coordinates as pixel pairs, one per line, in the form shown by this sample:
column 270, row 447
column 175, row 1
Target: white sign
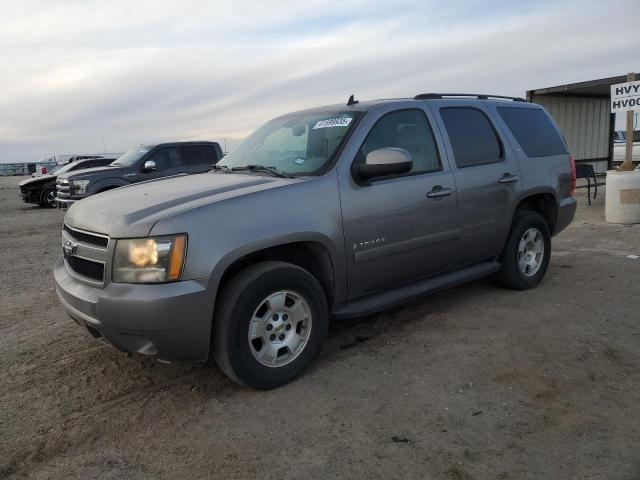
column 625, row 97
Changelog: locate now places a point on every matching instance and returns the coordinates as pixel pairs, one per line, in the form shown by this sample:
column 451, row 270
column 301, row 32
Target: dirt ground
column 474, row 383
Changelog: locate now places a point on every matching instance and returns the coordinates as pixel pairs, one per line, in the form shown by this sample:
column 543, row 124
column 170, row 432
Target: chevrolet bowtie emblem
column 70, row 248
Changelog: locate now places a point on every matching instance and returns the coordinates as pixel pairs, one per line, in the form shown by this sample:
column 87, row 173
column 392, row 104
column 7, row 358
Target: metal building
column 582, row 111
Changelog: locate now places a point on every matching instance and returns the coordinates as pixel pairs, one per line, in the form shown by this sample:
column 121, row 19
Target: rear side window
column 407, row 129
column 200, row 155
column 473, row 138
column 534, row 131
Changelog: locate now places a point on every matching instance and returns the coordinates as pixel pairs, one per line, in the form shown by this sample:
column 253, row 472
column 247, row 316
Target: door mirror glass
column 385, row 161
column 149, row 166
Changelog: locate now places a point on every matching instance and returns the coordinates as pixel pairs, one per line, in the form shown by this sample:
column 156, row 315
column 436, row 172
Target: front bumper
column 65, row 202
column 172, row 320
column 29, row 196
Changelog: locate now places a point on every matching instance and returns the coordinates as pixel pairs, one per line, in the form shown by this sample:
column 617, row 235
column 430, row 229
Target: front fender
column 106, row 183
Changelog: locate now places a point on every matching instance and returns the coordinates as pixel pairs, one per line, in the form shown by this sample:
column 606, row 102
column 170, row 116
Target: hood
column 41, row 178
column 131, row 211
column 95, row 172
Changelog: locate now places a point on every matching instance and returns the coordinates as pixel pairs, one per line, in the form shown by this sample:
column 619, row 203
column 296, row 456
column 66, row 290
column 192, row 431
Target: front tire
column 525, row 258
column 48, row 198
column 270, row 324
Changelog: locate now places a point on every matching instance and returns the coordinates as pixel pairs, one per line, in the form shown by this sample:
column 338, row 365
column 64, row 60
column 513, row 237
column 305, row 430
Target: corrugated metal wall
column 584, row 123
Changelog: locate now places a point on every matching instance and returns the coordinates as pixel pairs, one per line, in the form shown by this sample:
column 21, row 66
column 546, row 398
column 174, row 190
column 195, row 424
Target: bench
column 586, row 171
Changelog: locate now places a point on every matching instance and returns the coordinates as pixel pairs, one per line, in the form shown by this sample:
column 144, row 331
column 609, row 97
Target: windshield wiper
column 220, row 168
column 260, row 168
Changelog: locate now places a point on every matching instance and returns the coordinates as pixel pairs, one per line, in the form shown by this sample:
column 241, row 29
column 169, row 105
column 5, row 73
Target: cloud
column 137, row 72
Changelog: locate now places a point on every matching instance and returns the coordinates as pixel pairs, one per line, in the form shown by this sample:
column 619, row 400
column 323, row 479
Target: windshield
column 300, row 144
column 132, row 156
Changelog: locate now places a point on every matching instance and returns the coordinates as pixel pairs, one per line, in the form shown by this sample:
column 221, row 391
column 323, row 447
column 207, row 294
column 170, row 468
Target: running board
column 399, row 295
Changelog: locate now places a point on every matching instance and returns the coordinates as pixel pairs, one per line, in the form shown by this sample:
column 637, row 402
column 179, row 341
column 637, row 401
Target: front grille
column 88, row 238
column 86, row 268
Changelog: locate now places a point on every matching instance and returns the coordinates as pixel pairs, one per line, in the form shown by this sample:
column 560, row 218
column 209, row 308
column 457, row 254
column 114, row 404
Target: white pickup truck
column 619, row 146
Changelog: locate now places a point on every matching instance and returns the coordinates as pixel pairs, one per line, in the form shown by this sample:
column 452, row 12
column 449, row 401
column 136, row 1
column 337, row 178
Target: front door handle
column 438, row 192
column 508, row 178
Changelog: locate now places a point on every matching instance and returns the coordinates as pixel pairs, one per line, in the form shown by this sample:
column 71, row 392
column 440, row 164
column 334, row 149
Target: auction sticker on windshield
column 333, row 122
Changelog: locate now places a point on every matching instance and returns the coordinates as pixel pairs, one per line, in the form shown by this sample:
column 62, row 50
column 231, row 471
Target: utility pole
column 104, row 148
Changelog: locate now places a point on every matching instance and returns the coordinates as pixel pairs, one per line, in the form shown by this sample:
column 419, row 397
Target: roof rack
column 435, row 96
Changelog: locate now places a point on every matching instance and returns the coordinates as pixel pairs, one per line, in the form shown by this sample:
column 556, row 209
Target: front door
column 401, row 228
column 169, row 161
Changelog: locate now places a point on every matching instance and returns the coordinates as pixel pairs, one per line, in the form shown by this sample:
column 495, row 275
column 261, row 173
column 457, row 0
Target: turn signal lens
column 177, row 258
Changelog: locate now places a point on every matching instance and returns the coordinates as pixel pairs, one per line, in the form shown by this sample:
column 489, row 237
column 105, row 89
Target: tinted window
column 534, row 131
column 199, row 155
column 472, row 136
column 167, row 158
column 407, row 129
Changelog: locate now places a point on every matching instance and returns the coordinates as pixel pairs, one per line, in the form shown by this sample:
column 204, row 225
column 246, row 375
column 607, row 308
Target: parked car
column 620, row 146
column 139, row 164
column 42, row 189
column 57, row 161
column 333, row 212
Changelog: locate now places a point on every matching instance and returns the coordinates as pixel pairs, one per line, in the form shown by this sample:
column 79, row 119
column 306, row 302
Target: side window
column 407, row 129
column 199, row 155
column 167, row 158
column 473, row 139
column 534, row 131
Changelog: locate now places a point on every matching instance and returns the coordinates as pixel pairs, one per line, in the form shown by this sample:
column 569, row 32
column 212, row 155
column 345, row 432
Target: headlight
column 149, row 260
column 80, row 186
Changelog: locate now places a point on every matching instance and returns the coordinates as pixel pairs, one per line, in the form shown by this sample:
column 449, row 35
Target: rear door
column 487, row 176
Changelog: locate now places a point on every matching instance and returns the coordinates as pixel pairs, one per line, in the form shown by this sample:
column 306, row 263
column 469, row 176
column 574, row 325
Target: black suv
column 42, row 189
column 139, row 164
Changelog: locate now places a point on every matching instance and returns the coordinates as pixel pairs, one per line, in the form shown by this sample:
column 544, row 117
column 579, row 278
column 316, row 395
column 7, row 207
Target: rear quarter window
column 534, row 131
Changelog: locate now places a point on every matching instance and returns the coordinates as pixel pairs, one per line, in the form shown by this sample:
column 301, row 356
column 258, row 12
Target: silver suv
column 333, row 212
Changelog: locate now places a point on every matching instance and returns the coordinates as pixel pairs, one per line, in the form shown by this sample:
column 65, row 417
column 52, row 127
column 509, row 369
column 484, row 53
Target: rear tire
column 270, row 324
column 525, row 258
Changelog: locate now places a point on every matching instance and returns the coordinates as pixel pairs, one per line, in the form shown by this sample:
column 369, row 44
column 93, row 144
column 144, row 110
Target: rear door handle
column 508, row 178
column 438, row 191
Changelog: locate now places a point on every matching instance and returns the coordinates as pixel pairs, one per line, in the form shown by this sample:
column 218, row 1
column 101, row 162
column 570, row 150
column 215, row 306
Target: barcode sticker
column 333, row 122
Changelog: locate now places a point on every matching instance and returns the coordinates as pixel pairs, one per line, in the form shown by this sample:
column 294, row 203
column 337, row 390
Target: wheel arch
column 313, row 255
column 544, row 202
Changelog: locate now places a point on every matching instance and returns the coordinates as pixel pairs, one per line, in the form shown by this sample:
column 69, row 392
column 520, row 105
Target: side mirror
column 383, row 162
column 149, row 166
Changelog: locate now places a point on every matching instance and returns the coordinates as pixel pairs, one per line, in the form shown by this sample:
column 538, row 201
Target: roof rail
column 479, row 96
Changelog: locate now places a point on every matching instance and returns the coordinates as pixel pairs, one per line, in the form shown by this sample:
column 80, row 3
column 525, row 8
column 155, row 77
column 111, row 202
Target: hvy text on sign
column 625, row 97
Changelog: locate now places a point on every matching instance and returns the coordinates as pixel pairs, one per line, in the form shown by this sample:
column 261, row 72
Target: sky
column 83, row 76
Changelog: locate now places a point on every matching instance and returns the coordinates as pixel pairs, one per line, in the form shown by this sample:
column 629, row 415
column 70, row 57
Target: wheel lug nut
column 269, row 327
column 275, row 316
column 285, row 317
column 281, row 336
column 288, row 327
column 272, row 337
